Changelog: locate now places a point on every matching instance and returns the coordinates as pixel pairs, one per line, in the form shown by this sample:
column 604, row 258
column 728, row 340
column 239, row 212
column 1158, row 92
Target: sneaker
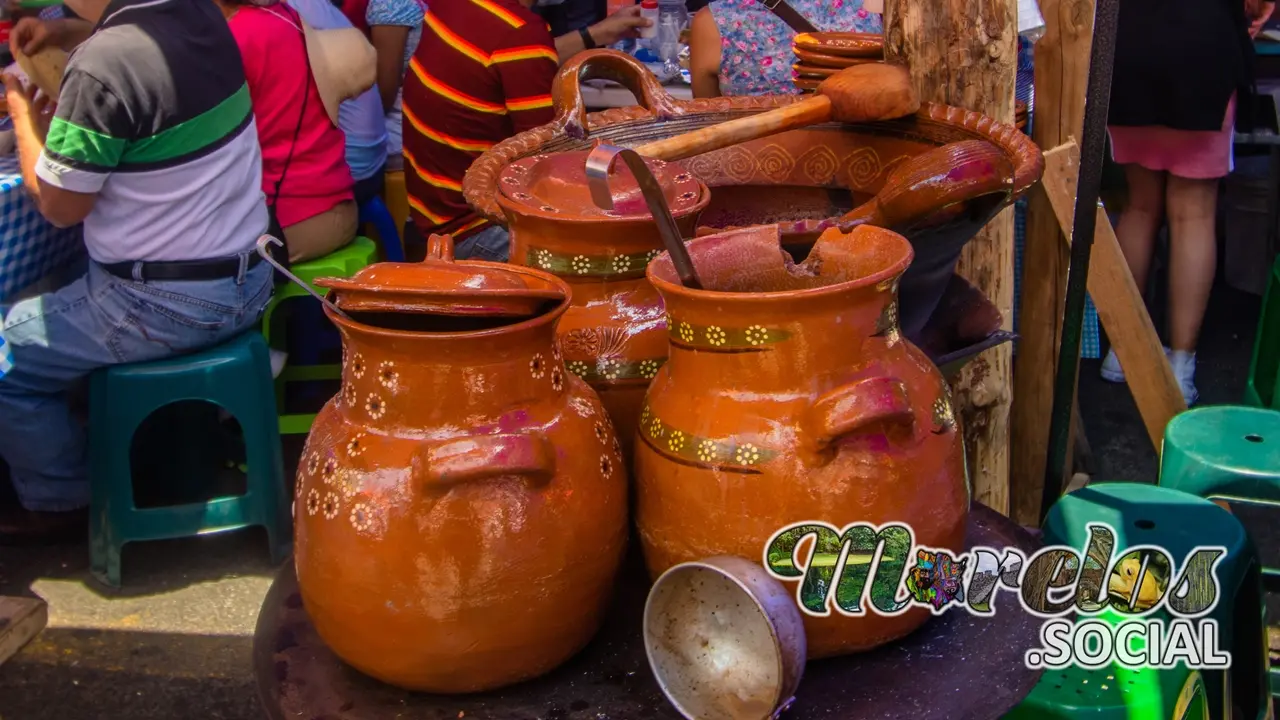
column 1111, row 370
column 278, row 359
column 1184, row 369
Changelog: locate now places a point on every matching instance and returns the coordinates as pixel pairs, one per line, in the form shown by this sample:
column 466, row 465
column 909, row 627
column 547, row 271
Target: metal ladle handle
column 264, row 249
column 600, row 162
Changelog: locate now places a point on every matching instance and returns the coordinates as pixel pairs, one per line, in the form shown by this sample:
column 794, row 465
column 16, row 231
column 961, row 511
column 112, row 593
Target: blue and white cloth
column 6, row 356
column 1090, row 342
column 30, row 248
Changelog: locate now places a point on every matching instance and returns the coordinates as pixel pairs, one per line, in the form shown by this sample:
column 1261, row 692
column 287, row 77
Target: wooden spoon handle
column 923, row 185
column 812, row 111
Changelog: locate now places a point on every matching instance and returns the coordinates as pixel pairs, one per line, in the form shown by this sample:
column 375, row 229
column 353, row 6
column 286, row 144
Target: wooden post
column 1061, row 73
column 20, row 620
column 966, row 54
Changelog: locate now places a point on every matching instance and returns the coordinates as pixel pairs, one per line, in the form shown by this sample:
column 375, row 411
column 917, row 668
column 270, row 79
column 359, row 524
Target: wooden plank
column 1119, row 303
column 1061, row 73
column 21, row 619
column 965, row 53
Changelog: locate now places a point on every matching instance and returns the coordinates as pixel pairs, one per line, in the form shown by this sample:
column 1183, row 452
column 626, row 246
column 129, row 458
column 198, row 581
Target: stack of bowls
column 822, row 54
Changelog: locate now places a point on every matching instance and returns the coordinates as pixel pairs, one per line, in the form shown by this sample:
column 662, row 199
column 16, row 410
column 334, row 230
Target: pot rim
column 894, row 269
column 709, row 564
column 550, row 316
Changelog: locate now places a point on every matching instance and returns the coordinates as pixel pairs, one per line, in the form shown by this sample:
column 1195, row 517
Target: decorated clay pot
column 461, row 508
column 791, row 395
column 613, row 334
column 803, row 179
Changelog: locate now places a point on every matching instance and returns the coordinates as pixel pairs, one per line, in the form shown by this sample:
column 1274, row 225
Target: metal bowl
column 724, row 639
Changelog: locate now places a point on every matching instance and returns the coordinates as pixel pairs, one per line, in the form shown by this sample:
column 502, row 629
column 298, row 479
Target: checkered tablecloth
column 1090, row 342
column 30, row 248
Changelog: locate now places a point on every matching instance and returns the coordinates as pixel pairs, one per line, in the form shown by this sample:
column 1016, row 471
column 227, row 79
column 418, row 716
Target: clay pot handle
column 566, row 90
column 860, row 407
column 925, row 184
column 440, row 247
column 484, row 457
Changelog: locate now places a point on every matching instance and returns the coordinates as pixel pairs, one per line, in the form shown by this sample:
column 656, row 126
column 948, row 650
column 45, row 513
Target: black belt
column 212, row 269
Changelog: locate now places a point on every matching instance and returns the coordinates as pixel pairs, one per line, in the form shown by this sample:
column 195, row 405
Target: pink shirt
column 275, row 66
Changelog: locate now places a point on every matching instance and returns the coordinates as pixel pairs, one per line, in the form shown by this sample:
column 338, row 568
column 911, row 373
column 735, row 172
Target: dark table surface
column 957, row 667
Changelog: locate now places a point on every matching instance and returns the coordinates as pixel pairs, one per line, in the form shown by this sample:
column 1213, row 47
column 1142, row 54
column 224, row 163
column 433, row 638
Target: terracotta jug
column 613, row 334
column 791, row 395
column 461, row 508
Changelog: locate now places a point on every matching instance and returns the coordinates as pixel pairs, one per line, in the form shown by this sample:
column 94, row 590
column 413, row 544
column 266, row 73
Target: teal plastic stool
column 1263, row 386
column 341, row 264
column 1224, row 452
column 1178, row 522
column 236, row 376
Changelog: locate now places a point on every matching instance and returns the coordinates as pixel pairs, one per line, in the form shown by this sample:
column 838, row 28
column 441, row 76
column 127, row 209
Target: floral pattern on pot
column 723, row 454
column 723, row 338
column 611, row 369
column 944, row 417
column 601, row 267
column 887, row 324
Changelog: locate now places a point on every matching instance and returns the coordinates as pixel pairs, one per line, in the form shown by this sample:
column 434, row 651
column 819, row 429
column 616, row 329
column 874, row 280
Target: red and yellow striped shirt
column 481, row 74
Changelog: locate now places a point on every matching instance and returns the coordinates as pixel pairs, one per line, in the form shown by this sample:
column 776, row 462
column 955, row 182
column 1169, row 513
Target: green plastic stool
column 236, row 376
column 1115, row 693
column 1226, row 452
column 341, row 264
column 1263, row 386
column 1178, row 522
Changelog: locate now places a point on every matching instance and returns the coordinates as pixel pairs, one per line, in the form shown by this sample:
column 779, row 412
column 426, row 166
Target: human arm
column 30, row 35
column 1263, row 15
column 625, row 23
column 390, row 24
column 59, row 204
column 389, row 42
column 704, row 55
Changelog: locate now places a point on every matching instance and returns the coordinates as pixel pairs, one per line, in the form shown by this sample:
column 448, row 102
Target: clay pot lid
column 556, row 184
column 441, row 285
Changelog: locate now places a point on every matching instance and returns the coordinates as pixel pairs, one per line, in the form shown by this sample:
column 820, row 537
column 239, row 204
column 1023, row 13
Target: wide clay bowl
column 724, row 639
column 803, row 179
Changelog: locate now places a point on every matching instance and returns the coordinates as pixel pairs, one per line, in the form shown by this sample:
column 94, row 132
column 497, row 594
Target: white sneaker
column 278, row 358
column 1111, row 370
column 1184, row 369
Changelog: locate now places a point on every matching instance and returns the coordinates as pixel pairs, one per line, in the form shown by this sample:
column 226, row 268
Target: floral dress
column 404, row 13
column 755, row 44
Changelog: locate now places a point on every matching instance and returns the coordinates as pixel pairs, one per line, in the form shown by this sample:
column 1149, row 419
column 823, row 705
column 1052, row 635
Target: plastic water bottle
column 672, row 18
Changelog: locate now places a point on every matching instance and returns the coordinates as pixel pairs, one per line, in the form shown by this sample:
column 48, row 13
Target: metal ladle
column 264, row 249
column 600, row 161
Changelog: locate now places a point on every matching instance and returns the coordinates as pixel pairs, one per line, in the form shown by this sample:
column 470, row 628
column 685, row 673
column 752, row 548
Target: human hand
column 27, row 106
column 625, row 23
column 31, row 35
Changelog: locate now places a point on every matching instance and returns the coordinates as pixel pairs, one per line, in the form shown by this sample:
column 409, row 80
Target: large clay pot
column 462, row 503
column 613, row 334
column 803, row 178
column 791, row 396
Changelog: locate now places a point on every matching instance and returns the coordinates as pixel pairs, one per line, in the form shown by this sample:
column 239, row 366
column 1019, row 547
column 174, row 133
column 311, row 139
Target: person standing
column 153, row 147
column 395, row 28
column 1181, row 67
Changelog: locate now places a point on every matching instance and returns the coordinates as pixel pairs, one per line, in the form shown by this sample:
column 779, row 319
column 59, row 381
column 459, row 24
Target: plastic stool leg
column 376, row 213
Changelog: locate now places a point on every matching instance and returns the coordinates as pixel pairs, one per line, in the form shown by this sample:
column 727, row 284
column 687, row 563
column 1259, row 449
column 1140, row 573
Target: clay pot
column 461, row 508
column 790, row 396
column 613, row 334
column 804, row 179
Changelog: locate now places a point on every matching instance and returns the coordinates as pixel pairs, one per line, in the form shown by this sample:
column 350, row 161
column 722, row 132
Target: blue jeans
column 100, row 320
column 492, row 243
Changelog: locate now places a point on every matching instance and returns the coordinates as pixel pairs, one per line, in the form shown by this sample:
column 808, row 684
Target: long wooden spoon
column 862, row 93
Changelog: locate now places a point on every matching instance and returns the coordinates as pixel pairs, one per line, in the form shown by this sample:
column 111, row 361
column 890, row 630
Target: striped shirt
column 481, row 74
column 154, row 117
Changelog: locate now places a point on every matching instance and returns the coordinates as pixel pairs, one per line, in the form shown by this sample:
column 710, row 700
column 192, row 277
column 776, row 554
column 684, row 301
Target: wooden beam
column 21, row 619
column 1061, row 73
column 965, row 53
column 1120, row 306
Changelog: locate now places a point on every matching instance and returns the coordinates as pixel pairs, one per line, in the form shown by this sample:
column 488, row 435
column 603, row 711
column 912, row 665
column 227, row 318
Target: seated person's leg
column 322, row 234
column 493, row 244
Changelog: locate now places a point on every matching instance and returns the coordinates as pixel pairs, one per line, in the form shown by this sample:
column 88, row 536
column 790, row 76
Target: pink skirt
column 1197, row 155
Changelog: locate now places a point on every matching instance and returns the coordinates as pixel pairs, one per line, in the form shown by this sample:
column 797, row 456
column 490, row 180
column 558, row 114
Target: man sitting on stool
column 153, row 147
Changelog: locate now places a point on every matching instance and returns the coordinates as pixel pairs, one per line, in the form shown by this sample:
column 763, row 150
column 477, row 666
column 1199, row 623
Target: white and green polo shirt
column 154, row 116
